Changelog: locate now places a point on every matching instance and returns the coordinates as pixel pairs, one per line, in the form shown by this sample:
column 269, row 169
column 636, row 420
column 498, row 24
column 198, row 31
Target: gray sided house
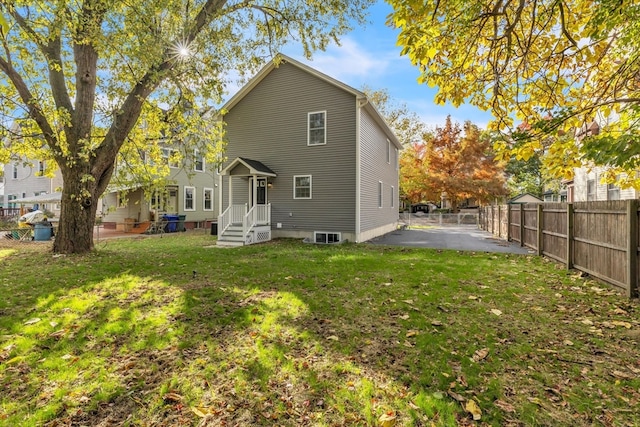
column 307, row 157
column 193, row 194
column 26, row 179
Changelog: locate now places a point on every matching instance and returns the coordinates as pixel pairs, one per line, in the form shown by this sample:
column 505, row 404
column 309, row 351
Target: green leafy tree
column 87, row 81
column 556, row 65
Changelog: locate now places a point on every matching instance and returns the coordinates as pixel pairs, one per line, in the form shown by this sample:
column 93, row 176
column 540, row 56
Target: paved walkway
column 460, row 237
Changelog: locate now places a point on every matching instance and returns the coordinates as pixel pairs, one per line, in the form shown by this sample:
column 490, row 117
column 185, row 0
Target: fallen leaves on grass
column 496, row 312
column 472, row 407
column 480, row 354
column 388, row 419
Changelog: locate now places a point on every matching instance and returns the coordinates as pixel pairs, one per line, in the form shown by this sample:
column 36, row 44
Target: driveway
column 460, row 237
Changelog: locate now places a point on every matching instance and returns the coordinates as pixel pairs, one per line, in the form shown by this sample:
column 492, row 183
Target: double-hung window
column 198, row 161
column 189, row 198
column 302, row 187
column 317, row 128
column 207, row 199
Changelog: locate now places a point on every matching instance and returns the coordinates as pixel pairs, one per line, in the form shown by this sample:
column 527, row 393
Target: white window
column 121, row 199
column 591, row 189
column 317, row 128
column 169, row 157
column 207, row 199
column 15, row 172
column 379, row 194
column 393, row 195
column 388, row 151
column 40, row 171
column 198, row 161
column 613, row 192
column 395, row 158
column 326, row 237
column 11, row 197
column 189, row 198
column 302, row 187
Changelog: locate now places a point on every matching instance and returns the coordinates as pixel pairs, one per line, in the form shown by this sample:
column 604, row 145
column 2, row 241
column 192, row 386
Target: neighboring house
column 26, row 178
column 193, row 194
column 524, row 198
column 307, row 157
column 587, row 185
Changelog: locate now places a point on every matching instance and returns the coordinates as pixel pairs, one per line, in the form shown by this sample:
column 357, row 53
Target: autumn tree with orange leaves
column 455, row 162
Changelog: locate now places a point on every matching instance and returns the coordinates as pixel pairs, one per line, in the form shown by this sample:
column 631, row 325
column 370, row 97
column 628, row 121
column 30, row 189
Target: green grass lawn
column 172, row 332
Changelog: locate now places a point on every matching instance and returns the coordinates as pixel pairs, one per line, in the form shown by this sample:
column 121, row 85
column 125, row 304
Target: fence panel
column 530, row 225
column 554, row 233
column 600, row 234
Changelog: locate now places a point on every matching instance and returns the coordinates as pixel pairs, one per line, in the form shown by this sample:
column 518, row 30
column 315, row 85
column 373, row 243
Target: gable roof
column 255, row 167
column 526, row 197
column 284, row 59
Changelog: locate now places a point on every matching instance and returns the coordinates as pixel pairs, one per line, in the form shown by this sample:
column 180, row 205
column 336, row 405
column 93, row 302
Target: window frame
column 296, row 187
column 14, row 174
column 185, row 198
column 206, row 190
column 591, row 190
column 167, row 153
column 380, row 195
column 121, row 200
column 388, row 152
column 393, row 205
column 196, row 156
column 613, row 190
column 324, row 128
column 326, row 234
column 41, row 169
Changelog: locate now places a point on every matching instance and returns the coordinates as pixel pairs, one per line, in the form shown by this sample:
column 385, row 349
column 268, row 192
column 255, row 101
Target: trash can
column 172, row 222
column 214, row 228
column 42, row 232
column 181, row 219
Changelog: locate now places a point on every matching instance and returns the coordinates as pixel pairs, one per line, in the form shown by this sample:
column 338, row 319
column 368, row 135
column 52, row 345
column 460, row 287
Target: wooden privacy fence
column 599, row 238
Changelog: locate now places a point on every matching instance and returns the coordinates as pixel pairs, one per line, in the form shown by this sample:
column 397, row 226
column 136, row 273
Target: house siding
column 28, row 184
column 582, row 176
column 375, row 220
column 270, row 125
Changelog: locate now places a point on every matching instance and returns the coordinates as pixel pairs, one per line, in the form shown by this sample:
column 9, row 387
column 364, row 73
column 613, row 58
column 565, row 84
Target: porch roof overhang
column 255, row 167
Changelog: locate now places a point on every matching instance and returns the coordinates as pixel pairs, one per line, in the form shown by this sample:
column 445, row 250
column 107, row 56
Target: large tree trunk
column 78, row 214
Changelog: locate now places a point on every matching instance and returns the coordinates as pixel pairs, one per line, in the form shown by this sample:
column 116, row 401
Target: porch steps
column 232, row 236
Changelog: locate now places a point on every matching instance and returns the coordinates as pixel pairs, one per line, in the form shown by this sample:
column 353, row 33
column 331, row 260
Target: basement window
column 326, row 237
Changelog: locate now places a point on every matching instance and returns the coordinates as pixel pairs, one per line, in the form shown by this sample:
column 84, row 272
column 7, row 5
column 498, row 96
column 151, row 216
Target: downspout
column 360, row 102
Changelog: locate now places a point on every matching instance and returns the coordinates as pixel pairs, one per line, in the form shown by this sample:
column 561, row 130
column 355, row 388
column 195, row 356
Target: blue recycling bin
column 172, row 223
column 42, row 232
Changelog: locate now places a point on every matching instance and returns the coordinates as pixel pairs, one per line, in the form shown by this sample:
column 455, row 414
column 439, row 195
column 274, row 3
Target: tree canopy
column 555, row 65
column 87, row 80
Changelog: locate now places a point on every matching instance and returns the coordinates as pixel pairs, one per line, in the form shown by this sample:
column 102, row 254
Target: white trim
column 358, row 168
column 204, row 198
column 310, row 187
column 337, row 233
column 380, row 195
column 388, row 151
column 184, row 198
column 393, row 195
column 324, row 128
column 195, row 161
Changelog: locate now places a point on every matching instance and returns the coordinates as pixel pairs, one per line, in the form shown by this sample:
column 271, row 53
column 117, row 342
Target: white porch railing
column 263, row 214
column 234, row 214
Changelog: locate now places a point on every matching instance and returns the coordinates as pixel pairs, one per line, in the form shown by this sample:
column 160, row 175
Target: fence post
column 492, row 220
column 508, row 223
column 569, row 236
column 499, row 221
column 632, row 248
column 521, row 224
column 540, row 229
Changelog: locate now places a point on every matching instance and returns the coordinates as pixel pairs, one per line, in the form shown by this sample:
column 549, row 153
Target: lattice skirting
column 262, row 236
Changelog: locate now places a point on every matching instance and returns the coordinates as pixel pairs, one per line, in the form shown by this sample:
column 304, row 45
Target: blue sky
column 369, row 56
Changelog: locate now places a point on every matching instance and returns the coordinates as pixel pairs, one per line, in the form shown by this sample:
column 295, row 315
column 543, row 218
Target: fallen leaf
column 172, row 397
column 472, row 407
column 411, row 333
column 404, row 317
column 333, row 338
column 32, row 321
column 201, row 412
column 473, row 297
column 288, row 278
column 506, row 407
column 618, row 310
column 436, row 323
column 66, row 357
column 496, row 312
column 624, row 324
column 388, row 419
column 622, row 375
column 567, row 342
column 586, row 322
column 407, row 344
column 408, row 301
column 480, row 354
column 460, row 398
